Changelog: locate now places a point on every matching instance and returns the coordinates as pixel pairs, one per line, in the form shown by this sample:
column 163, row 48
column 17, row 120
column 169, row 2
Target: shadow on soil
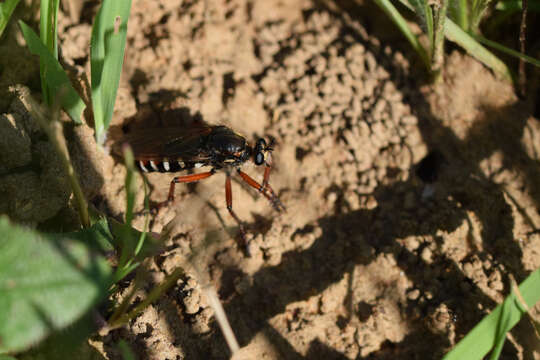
column 461, row 188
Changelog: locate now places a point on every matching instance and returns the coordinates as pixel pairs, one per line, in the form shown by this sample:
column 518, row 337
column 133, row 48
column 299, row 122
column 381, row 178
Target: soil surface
column 408, row 205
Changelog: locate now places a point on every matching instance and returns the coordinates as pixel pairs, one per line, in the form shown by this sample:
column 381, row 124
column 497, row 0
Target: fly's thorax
column 225, row 142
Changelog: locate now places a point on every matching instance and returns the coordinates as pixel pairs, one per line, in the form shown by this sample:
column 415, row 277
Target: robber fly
column 216, row 146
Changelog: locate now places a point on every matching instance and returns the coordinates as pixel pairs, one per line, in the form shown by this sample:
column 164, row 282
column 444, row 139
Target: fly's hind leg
column 183, row 179
column 228, row 198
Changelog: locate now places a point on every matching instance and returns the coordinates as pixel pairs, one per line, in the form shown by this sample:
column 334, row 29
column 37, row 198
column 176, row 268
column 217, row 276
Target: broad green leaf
column 56, row 78
column 6, row 357
column 493, row 328
column 98, row 236
column 46, row 283
column 6, row 10
column 69, row 343
column 107, row 47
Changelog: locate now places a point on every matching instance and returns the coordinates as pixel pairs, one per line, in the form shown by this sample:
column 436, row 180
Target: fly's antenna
column 270, row 146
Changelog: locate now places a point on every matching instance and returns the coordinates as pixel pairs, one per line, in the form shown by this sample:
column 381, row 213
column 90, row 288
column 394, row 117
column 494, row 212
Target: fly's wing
column 172, row 143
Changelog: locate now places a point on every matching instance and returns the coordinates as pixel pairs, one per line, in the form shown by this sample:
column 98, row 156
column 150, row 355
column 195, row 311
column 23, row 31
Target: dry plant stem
column 437, row 60
column 515, row 289
column 153, row 296
column 53, row 129
column 221, row 317
column 523, row 26
column 213, row 301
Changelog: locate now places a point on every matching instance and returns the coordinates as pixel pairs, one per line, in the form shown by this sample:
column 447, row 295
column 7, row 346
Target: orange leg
column 265, row 190
column 228, row 198
column 184, row 179
column 267, row 167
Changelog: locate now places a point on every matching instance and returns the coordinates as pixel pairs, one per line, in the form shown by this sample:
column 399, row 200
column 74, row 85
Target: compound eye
column 259, row 158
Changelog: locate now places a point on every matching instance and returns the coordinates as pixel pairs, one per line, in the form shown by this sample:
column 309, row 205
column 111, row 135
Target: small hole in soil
column 301, row 153
column 364, row 311
column 429, row 167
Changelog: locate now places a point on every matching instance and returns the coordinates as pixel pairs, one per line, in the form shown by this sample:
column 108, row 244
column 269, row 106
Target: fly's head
column 262, row 151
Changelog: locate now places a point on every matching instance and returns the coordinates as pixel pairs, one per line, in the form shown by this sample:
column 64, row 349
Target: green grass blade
column 401, row 23
column 507, row 50
column 463, row 14
column 455, row 34
column 131, row 192
column 423, row 11
column 48, row 25
column 517, row 5
column 493, row 328
column 130, row 186
column 47, row 282
column 48, row 33
column 55, row 77
column 107, row 47
column 6, row 10
column 478, row 10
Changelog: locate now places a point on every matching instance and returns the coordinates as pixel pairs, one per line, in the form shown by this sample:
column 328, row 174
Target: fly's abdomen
column 166, row 165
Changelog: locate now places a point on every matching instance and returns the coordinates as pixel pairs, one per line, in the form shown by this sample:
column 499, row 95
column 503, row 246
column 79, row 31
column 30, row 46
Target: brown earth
column 409, row 205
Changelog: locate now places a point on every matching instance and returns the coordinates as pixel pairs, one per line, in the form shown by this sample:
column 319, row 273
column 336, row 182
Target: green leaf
column 46, row 283
column 56, row 78
column 98, row 236
column 493, row 328
column 69, row 343
column 106, row 58
column 6, row 10
column 134, row 246
column 6, row 357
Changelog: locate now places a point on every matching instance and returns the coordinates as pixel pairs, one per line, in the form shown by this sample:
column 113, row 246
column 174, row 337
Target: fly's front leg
column 228, row 198
column 266, row 177
column 184, row 179
column 265, row 190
